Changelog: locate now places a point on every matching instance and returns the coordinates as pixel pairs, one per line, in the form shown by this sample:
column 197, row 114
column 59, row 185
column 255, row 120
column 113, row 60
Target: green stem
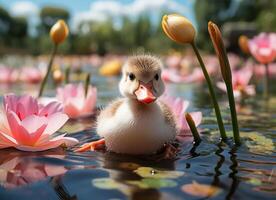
column 234, row 118
column 212, row 93
column 87, row 83
column 49, row 68
column 266, row 82
column 67, row 74
column 193, row 128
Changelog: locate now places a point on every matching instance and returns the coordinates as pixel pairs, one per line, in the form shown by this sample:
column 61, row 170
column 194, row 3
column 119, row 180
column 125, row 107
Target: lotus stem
column 235, row 124
column 49, row 68
column 266, row 82
column 212, row 93
column 67, row 74
column 87, row 83
column 193, row 128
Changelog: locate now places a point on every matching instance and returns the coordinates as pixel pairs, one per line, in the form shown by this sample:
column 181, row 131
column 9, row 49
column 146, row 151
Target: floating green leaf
column 148, row 172
column 254, row 181
column 153, row 183
column 106, row 183
column 258, row 143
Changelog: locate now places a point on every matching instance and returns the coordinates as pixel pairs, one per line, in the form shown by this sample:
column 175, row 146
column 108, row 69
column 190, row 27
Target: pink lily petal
column 6, row 141
column 222, row 86
column 197, row 117
column 51, row 108
column 51, row 144
column 28, row 126
column 29, row 130
column 55, row 122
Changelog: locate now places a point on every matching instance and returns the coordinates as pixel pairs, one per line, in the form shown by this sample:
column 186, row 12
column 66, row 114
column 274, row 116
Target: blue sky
column 98, row 10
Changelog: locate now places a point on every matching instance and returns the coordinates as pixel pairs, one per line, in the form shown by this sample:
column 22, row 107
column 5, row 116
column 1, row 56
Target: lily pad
column 258, row 143
column 148, row 172
column 201, row 190
column 106, row 183
column 254, row 181
column 153, row 183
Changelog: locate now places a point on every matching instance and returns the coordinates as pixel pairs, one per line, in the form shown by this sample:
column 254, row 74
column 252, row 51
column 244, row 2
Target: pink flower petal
column 197, row 117
column 51, row 144
column 55, row 122
column 6, row 141
column 51, row 108
column 29, row 130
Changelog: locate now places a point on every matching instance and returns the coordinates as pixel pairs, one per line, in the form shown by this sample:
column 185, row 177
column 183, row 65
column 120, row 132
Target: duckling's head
column 141, row 78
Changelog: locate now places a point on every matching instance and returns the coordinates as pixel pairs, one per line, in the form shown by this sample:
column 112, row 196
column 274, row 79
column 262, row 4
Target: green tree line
column 99, row 37
column 133, row 35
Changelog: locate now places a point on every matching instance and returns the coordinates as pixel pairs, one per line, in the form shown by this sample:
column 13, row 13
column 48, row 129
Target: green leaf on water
column 148, row 172
column 258, row 143
column 254, row 181
column 153, row 183
column 106, row 183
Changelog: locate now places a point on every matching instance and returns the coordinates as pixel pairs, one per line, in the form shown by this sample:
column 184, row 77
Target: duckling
column 137, row 123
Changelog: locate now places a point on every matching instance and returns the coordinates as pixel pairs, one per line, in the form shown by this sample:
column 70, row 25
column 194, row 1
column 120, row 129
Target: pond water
column 247, row 172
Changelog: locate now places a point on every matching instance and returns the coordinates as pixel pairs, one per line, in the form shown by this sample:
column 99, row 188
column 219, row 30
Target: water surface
column 247, row 172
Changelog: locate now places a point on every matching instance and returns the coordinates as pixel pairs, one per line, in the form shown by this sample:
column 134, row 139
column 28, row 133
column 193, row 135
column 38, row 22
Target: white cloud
column 101, row 10
column 24, row 8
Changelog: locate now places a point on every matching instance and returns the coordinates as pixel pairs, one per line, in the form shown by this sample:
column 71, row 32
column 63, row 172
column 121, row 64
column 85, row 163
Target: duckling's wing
column 111, row 109
column 168, row 115
column 105, row 121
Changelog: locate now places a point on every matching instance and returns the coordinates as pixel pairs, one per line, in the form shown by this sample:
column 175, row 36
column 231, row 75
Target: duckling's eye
column 156, row 77
column 131, row 76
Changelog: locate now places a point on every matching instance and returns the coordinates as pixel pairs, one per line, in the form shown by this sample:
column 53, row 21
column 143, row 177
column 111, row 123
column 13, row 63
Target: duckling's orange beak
column 144, row 93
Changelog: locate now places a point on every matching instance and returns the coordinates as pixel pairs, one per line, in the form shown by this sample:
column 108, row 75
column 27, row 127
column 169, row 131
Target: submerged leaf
column 153, row 183
column 201, row 190
column 148, row 172
column 128, row 165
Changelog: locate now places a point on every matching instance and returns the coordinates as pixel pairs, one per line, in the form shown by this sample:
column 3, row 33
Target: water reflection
column 19, row 169
column 235, row 181
column 60, row 189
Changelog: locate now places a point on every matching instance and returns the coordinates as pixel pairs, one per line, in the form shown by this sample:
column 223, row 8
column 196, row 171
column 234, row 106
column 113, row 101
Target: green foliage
column 19, row 27
column 5, row 22
column 209, row 10
column 266, row 19
column 49, row 15
column 259, row 11
column 128, row 35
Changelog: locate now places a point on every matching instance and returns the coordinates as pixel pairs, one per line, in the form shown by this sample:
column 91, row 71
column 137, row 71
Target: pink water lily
column 31, row 75
column 8, row 75
column 240, row 81
column 262, row 47
column 179, row 107
column 28, row 126
column 75, row 103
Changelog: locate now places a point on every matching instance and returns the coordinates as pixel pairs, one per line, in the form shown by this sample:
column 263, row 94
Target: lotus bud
column 178, row 28
column 57, row 76
column 243, row 43
column 59, row 32
column 217, row 41
column 193, row 129
column 218, row 44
